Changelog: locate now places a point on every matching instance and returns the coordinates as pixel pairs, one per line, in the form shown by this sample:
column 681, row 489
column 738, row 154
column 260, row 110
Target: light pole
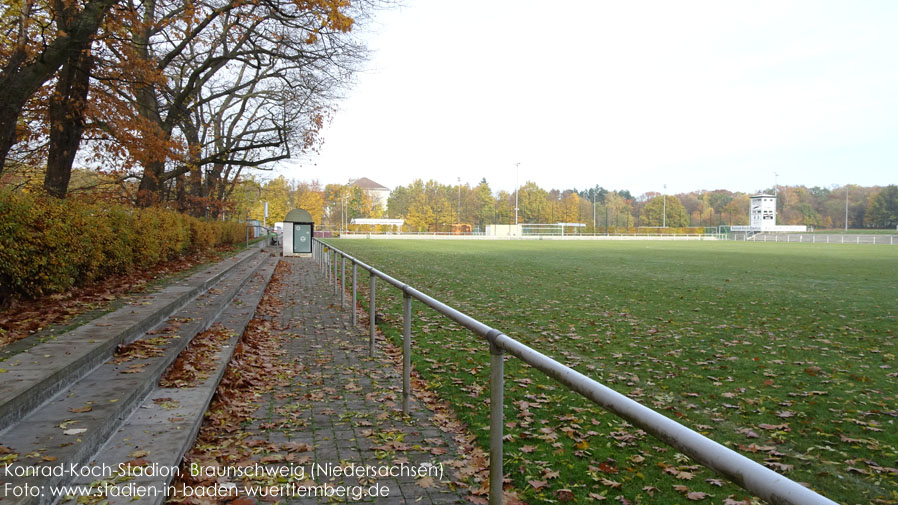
column 846, row 207
column 593, row 211
column 664, row 219
column 458, row 209
column 517, row 172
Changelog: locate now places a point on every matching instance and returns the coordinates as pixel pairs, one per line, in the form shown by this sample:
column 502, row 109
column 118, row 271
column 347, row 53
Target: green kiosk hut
column 298, row 232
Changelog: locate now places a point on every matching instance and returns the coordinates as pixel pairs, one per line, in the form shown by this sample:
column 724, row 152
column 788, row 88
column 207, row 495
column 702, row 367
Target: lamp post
column 458, row 209
column 517, row 172
column 593, row 211
column 846, row 207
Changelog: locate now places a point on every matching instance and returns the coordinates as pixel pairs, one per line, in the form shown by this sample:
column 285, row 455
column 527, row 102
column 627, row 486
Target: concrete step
column 71, row 427
column 34, row 375
column 166, row 424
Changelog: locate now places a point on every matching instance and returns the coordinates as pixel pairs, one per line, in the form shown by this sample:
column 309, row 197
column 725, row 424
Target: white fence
column 817, row 238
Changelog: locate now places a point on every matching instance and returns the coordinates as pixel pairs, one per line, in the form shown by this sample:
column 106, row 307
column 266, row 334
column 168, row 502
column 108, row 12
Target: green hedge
column 49, row 245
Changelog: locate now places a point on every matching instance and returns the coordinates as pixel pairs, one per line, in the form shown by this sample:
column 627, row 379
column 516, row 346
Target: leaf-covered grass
column 785, row 352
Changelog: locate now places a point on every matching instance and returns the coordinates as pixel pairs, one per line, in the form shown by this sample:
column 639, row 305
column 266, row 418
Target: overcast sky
column 625, row 94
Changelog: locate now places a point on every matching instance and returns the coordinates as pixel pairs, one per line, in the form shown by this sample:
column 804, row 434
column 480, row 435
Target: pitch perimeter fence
column 751, row 476
column 819, row 238
column 806, row 238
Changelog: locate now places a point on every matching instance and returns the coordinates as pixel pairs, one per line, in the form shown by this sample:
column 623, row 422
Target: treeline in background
column 434, row 207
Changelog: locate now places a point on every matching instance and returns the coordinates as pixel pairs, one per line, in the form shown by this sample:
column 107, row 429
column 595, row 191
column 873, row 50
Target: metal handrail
column 744, row 472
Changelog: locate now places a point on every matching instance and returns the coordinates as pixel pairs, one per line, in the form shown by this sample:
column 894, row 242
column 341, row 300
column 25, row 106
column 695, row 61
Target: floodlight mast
column 846, row 207
column 593, row 211
column 517, row 173
column 458, row 209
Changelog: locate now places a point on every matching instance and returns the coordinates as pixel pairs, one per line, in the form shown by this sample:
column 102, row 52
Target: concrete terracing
column 86, row 401
column 62, row 400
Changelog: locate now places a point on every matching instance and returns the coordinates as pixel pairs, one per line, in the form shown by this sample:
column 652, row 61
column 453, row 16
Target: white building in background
column 762, row 212
column 378, row 193
column 503, row 230
column 762, row 216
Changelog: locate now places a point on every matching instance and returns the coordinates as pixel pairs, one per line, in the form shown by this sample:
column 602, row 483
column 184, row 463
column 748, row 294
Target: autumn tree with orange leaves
column 38, row 38
column 176, row 98
column 219, row 87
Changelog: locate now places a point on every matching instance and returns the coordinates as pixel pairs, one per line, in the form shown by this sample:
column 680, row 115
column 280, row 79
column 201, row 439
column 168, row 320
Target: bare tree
column 231, row 85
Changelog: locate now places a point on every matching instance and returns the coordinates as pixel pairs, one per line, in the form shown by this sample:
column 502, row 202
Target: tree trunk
column 66, row 113
column 20, row 80
column 10, row 107
column 149, row 192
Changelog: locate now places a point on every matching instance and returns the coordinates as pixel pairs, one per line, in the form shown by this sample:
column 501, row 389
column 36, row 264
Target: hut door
column 302, row 238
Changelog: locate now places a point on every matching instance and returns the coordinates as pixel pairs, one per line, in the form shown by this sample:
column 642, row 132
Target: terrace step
column 34, row 375
column 73, row 426
column 166, row 424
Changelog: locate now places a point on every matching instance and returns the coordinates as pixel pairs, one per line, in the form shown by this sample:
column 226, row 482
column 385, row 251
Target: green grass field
column 785, row 352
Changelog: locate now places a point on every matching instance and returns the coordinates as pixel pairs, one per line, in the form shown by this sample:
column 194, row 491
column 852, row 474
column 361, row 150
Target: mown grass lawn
column 785, row 352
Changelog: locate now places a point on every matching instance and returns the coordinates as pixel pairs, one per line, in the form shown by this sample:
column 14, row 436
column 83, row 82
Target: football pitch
column 784, row 352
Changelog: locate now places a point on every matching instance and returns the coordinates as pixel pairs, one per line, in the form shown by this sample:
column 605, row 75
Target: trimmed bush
column 49, row 245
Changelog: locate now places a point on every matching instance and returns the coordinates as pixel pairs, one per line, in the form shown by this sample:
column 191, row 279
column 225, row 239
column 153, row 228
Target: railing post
column 342, row 280
column 371, row 316
column 497, row 365
column 334, row 268
column 406, row 350
column 355, row 315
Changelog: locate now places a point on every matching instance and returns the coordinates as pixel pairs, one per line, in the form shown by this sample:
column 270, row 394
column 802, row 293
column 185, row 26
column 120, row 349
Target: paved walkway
column 346, row 405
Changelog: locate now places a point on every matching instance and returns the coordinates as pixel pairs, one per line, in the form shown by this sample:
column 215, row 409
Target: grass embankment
column 785, row 352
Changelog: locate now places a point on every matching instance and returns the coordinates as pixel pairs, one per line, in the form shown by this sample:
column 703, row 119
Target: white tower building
column 762, row 213
column 762, row 217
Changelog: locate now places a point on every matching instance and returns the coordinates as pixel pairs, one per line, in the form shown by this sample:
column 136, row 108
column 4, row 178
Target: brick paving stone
column 346, row 404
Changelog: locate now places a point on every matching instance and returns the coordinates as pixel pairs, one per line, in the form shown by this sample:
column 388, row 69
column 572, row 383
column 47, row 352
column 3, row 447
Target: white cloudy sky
column 625, row 94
